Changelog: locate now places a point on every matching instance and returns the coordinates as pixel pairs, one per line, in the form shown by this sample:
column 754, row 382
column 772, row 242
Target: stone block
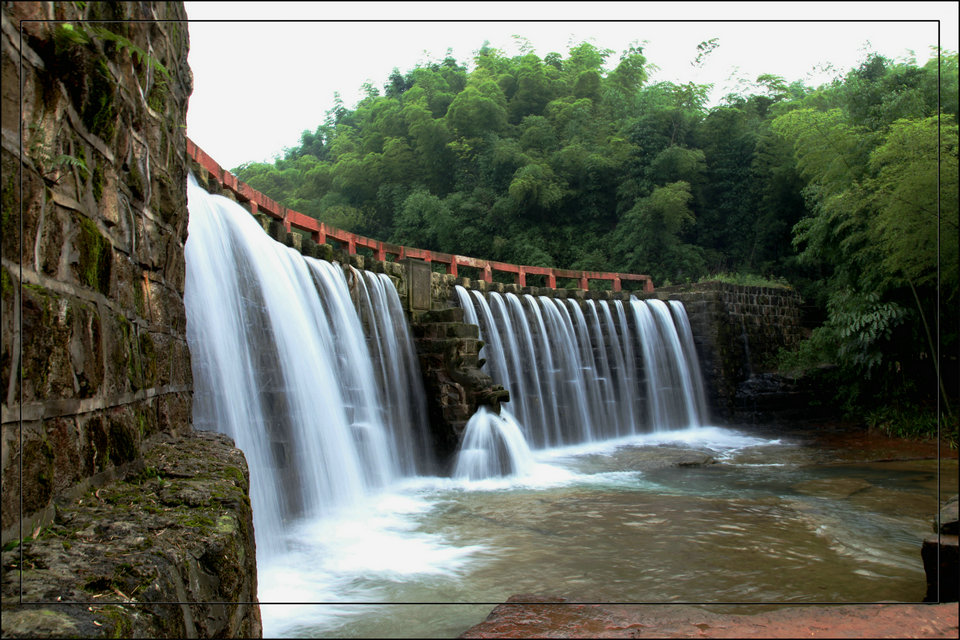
column 295, row 241
column 325, row 252
column 418, row 277
column 47, row 368
column 27, row 451
column 394, row 269
column 86, row 349
column 455, row 330
column 276, row 230
column 940, row 562
column 453, row 314
column 49, row 252
column 174, row 413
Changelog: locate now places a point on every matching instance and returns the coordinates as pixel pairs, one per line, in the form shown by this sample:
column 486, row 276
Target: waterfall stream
column 572, row 373
column 324, row 413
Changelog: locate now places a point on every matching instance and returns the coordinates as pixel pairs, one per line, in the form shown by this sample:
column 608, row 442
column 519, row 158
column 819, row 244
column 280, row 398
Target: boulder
column 940, row 556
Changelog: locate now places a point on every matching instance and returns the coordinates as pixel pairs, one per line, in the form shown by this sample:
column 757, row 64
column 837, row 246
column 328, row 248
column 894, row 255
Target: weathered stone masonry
column 738, row 331
column 95, row 378
column 94, row 358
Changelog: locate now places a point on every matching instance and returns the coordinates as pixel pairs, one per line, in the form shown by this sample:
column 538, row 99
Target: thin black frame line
column 937, row 355
column 20, row 310
column 337, row 603
column 508, row 21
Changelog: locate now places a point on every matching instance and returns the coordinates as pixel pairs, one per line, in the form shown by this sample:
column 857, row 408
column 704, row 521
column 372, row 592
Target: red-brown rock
column 529, row 616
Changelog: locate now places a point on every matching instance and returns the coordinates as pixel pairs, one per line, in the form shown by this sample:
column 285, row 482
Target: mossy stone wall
column 738, row 331
column 94, row 358
column 109, row 495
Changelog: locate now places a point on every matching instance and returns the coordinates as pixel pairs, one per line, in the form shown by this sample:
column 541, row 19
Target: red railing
column 321, row 232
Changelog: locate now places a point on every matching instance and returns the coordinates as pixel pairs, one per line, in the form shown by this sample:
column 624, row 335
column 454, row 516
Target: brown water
column 793, row 517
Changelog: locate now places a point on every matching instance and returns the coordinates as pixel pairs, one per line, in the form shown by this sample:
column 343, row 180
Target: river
column 746, row 516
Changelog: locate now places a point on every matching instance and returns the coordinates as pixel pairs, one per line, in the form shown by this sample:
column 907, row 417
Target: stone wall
column 104, row 493
column 94, row 352
column 738, row 331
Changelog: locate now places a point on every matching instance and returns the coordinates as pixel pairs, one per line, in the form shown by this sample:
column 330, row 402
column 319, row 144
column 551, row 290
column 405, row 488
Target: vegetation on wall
column 847, row 191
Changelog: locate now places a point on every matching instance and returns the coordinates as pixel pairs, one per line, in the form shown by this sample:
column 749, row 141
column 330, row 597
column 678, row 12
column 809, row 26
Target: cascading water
column 573, row 373
column 493, row 446
column 310, row 369
column 281, row 364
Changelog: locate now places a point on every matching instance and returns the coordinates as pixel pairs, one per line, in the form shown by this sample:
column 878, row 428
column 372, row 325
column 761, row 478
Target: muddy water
column 716, row 516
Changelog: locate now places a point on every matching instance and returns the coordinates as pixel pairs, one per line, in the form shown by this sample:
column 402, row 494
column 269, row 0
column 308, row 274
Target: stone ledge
column 167, row 551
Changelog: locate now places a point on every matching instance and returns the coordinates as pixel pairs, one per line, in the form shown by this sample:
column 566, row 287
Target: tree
column 915, row 225
column 473, row 114
column 650, row 235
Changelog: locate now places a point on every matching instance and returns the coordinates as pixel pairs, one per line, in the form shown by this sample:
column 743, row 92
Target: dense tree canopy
column 848, row 191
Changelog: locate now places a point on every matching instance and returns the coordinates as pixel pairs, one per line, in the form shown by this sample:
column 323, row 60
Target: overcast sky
column 258, row 84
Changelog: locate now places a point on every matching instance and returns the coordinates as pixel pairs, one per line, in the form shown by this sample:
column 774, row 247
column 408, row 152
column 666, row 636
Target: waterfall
column 324, row 411
column 593, row 372
column 493, row 446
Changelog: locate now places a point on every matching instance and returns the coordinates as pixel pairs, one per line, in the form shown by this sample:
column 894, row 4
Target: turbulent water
column 597, row 482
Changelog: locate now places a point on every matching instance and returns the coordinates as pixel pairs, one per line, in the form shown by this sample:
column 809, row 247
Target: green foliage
column 863, row 325
column 910, row 209
column 748, row 280
column 574, row 160
column 911, row 421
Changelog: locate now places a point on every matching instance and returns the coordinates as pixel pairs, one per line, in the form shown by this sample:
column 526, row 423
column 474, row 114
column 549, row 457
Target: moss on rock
column 96, row 256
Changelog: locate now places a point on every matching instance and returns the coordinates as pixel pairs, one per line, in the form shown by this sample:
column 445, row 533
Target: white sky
column 258, row 84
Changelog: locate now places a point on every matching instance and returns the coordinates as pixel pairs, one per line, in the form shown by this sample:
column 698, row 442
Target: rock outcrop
column 448, row 350
column 175, row 530
column 533, row 616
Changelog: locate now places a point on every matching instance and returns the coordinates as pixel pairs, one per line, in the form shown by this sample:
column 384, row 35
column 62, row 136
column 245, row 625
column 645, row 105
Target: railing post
column 552, row 280
column 584, row 283
column 522, row 277
column 616, row 284
column 452, row 267
column 487, row 272
column 648, row 286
